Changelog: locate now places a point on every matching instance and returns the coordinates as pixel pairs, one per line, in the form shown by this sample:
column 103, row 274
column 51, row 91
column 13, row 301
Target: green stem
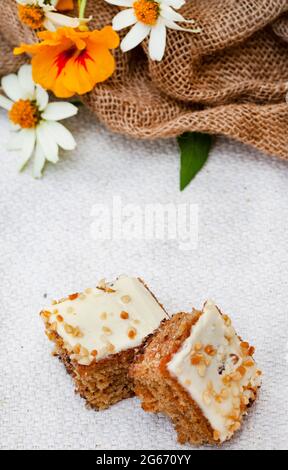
column 82, row 7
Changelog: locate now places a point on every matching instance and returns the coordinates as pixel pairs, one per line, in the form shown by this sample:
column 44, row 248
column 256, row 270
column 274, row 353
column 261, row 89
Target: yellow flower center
column 31, row 15
column 24, row 113
column 147, row 11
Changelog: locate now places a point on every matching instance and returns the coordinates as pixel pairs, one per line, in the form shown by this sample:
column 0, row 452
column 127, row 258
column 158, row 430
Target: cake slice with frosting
column 97, row 334
column 199, row 372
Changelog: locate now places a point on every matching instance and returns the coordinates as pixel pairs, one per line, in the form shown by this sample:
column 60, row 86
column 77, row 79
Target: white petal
column 170, row 24
column 5, row 103
column 26, row 81
column 157, row 42
column 11, row 87
column 175, row 3
column 121, row 3
column 42, row 97
column 135, row 36
column 47, row 142
column 62, row 20
column 28, row 137
column 124, row 19
column 16, row 141
column 170, row 14
column 39, row 161
column 14, row 127
column 58, row 111
column 62, row 136
column 49, row 25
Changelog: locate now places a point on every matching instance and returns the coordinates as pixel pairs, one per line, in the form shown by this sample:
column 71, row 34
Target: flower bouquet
column 149, row 69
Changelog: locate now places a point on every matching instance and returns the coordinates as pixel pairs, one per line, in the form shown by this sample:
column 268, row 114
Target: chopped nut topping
column 94, row 353
column 244, row 345
column 50, row 335
column 251, row 351
column 236, row 376
column 84, row 352
column 201, row 370
column 73, row 296
column 77, row 348
column 227, row 320
column 210, row 350
column 244, row 400
column 241, row 370
column 224, row 393
column 126, row 299
column 103, row 316
column 106, row 330
column 53, row 326
column 132, row 333
column 102, row 284
column 110, row 347
column 109, row 290
column 207, row 398
column 235, row 427
column 218, row 399
column 216, row 435
column 68, row 328
column 248, row 363
column 59, row 318
column 198, row 346
column 124, row 315
column 77, row 333
column 234, row 415
column 226, row 380
column 45, row 314
column 196, row 359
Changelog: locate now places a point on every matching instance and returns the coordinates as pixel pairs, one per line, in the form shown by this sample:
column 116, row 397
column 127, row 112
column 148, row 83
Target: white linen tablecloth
column 47, row 249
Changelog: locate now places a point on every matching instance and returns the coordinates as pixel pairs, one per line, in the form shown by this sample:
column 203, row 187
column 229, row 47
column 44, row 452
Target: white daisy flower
column 43, row 13
column 149, row 18
column 35, row 127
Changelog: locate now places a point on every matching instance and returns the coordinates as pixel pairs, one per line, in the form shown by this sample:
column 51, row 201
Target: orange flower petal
column 107, row 36
column 102, row 66
column 65, row 5
column 69, row 61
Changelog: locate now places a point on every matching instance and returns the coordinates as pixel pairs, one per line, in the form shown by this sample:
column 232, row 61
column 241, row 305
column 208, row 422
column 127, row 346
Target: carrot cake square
column 199, row 372
column 97, row 334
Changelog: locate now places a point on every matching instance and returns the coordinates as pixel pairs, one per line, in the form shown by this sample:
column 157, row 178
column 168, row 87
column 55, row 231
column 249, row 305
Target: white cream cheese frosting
column 217, row 370
column 105, row 320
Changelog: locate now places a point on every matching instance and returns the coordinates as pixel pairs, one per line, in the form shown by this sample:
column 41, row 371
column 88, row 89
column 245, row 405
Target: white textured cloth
column 46, row 248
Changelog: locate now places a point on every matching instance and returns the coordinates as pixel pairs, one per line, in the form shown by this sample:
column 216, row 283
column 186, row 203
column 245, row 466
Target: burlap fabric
column 231, row 79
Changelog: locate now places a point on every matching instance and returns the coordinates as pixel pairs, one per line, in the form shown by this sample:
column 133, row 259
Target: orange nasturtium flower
column 65, row 5
column 70, row 62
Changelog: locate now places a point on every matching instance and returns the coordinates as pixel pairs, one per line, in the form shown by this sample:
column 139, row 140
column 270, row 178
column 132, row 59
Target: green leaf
column 195, row 148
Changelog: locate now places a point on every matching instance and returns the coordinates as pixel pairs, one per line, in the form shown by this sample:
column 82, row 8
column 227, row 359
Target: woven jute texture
column 230, row 79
